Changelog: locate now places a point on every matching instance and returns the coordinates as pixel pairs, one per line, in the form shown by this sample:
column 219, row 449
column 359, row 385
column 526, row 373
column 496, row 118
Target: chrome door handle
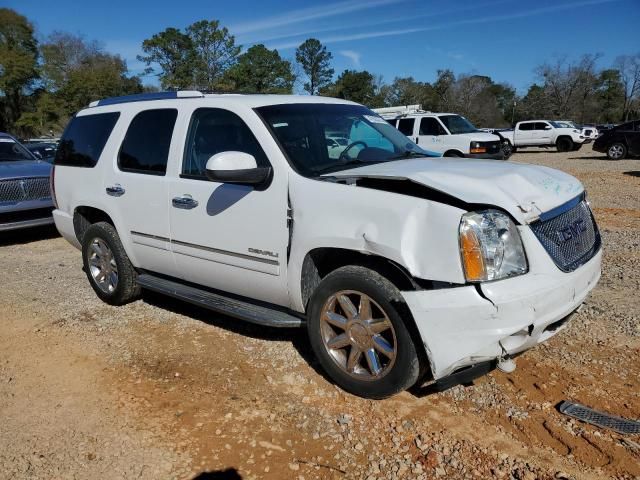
column 186, row 202
column 115, row 190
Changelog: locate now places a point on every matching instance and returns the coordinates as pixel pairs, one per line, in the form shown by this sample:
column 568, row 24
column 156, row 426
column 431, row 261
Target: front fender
column 418, row 234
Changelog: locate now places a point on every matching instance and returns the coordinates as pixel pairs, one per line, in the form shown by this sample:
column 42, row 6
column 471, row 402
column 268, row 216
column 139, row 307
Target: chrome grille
column 570, row 235
column 21, row 189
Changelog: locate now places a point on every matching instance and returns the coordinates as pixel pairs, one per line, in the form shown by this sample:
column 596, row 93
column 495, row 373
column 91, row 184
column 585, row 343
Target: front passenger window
column 212, row 131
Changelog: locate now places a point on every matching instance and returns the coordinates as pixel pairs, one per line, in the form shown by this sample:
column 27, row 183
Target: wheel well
column 564, row 137
column 84, row 217
column 320, row 262
column 454, row 153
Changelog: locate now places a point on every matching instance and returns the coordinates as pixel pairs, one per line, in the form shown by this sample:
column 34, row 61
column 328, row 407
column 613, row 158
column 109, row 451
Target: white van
column 443, row 134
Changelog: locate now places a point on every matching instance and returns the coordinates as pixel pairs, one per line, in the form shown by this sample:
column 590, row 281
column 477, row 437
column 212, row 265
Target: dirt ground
column 159, row 389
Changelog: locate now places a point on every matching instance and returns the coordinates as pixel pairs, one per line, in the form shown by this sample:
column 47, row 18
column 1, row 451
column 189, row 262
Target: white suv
column 443, row 134
column 401, row 267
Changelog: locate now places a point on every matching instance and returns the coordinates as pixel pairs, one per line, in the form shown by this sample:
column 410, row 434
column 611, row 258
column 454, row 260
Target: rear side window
column 145, row 148
column 405, row 125
column 84, row 139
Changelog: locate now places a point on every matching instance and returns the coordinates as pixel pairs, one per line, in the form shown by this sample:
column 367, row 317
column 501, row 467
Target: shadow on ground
column 28, row 235
column 633, row 174
column 228, row 474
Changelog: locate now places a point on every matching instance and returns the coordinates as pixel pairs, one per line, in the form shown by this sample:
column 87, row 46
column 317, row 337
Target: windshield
column 323, row 138
column 457, row 124
column 12, row 151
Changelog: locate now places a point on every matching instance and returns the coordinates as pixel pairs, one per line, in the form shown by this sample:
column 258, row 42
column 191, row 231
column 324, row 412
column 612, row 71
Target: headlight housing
column 490, row 246
column 477, row 147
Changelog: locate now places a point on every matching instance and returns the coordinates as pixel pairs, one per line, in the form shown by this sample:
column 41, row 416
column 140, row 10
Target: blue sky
column 505, row 39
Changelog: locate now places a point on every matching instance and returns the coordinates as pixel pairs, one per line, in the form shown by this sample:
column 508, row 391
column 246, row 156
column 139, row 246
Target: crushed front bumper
column 468, row 325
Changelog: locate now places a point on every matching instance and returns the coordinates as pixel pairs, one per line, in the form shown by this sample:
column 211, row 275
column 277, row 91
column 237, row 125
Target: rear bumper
column 64, row 224
column 469, row 325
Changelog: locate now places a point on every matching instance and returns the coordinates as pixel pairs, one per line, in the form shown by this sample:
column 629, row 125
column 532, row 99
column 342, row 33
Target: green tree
column 173, row 52
column 352, row 85
column 260, row 70
column 214, row 51
column 610, row 98
column 315, row 61
column 18, row 65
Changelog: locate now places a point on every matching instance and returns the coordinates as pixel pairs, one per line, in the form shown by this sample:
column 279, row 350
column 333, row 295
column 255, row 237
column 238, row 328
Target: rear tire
column 564, row 144
column 617, row 151
column 107, row 265
column 358, row 334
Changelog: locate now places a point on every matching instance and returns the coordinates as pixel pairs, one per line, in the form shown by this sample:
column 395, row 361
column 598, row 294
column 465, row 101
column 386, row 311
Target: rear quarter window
column 84, row 139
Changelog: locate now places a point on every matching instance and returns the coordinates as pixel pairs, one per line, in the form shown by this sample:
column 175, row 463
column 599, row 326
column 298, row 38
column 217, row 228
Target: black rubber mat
column 599, row 419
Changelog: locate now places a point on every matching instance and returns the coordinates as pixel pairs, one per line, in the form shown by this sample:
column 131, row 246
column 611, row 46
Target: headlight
column 477, row 147
column 490, row 246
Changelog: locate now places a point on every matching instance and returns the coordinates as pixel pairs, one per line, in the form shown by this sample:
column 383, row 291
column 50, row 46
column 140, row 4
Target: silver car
column 25, row 194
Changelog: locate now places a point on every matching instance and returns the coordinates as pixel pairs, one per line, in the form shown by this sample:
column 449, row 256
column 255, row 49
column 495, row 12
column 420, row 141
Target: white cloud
column 351, row 55
column 470, row 21
column 307, row 14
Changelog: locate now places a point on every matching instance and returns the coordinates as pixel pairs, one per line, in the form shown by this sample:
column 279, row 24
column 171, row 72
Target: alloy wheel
column 358, row 335
column 102, row 265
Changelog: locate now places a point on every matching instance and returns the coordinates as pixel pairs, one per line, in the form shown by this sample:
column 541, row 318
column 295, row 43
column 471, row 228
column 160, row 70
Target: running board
column 218, row 303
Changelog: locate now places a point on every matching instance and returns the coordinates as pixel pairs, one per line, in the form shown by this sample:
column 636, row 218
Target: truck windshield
column 304, row 132
column 457, row 124
column 12, row 151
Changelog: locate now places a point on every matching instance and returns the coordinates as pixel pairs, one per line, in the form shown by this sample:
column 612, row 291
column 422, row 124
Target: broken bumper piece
column 468, row 325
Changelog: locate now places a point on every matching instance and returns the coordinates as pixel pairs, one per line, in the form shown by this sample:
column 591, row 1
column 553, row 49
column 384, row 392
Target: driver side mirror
column 236, row 167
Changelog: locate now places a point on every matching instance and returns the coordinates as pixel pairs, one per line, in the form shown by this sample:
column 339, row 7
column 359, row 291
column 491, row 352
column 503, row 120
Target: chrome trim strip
column 226, row 252
column 154, row 237
column 565, row 207
column 208, row 249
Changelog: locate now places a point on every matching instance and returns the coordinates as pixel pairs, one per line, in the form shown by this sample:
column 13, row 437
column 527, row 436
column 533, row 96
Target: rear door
column 407, row 127
column 524, row 134
column 432, row 135
column 542, row 133
column 135, row 188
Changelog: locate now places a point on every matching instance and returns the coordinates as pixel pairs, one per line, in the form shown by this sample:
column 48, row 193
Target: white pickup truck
column 545, row 133
column 402, row 268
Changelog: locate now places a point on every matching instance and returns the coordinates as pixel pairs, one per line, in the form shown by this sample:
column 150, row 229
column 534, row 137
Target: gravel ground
column 160, row 389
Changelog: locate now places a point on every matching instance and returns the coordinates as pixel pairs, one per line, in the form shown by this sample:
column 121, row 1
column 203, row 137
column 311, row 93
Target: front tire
column 107, row 265
column 359, row 336
column 617, row 151
column 564, row 144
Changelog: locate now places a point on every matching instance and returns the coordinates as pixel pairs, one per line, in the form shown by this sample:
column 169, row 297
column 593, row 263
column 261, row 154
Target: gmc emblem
column 571, row 231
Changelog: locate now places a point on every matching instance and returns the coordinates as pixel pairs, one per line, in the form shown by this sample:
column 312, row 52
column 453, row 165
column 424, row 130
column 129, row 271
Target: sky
column 505, row 39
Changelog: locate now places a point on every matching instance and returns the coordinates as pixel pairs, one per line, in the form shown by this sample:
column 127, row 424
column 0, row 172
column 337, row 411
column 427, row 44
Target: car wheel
column 617, row 151
column 564, row 144
column 107, row 265
column 358, row 334
column 507, row 149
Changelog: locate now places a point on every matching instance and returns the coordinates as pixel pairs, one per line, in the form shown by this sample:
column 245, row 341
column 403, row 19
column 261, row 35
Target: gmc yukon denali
column 402, row 268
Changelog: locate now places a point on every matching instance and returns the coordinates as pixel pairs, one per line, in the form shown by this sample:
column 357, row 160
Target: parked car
column 443, row 134
column 590, row 131
column 400, row 266
column 25, row 197
column 545, row 133
column 42, row 151
column 620, row 141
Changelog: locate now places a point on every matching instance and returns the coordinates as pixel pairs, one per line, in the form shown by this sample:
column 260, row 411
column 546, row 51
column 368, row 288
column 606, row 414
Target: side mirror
column 547, row 127
column 236, row 167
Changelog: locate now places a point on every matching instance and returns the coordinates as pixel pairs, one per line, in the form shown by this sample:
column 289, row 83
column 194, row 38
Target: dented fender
column 418, row 234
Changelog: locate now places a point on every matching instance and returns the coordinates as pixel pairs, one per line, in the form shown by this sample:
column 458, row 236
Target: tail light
column 52, row 186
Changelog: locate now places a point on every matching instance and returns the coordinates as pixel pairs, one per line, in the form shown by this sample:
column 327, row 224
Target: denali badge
column 572, row 230
column 263, row 252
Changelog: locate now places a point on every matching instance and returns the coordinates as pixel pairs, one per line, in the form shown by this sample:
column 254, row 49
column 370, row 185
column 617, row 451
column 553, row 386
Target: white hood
column 479, row 136
column 524, row 190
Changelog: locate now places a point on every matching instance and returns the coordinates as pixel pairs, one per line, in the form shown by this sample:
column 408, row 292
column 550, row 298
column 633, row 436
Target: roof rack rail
column 140, row 97
column 401, row 110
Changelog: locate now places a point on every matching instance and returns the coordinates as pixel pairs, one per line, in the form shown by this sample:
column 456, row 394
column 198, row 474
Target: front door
column 432, row 135
column 524, row 135
column 229, row 237
column 542, row 133
column 135, row 188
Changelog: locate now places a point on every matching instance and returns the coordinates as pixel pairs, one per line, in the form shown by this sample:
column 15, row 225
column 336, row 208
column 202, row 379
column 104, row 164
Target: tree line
column 43, row 83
